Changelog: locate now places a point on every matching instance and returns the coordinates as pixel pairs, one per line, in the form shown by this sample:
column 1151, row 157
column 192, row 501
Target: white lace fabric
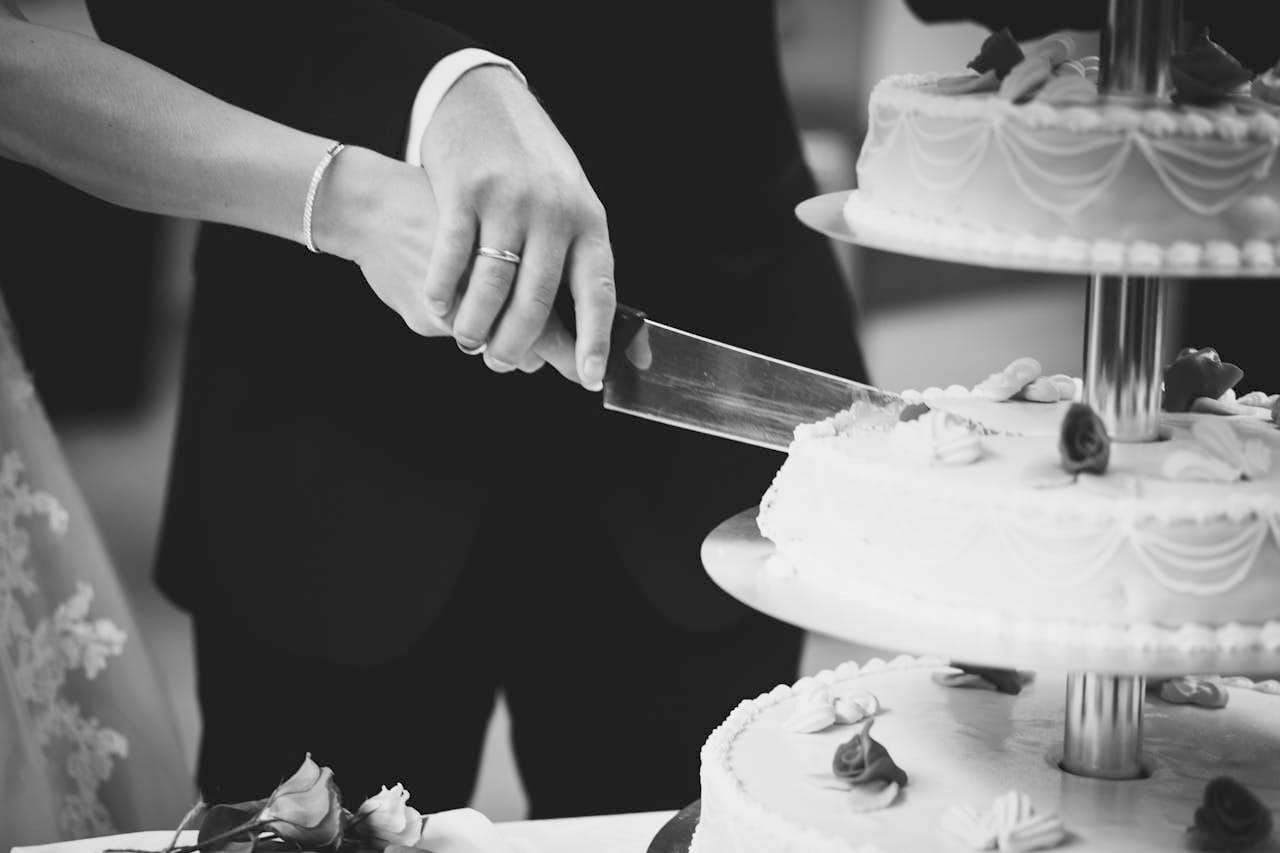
column 88, row 744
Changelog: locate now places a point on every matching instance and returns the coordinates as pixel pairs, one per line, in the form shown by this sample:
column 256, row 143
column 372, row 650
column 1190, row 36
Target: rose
column 1230, row 818
column 306, row 808
column 999, row 53
column 862, row 760
column 386, row 818
column 1197, row 373
column 1205, row 73
column 1083, row 444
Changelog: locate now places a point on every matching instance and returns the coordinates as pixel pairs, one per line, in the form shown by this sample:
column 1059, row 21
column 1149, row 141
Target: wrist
column 485, row 88
column 347, row 200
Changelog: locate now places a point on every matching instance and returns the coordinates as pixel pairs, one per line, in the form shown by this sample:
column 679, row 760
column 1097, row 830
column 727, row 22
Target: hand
column 506, row 179
column 381, row 214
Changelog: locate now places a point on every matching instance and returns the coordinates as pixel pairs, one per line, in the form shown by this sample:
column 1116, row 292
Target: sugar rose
column 862, row 760
column 386, row 818
column 306, row 808
column 1230, row 818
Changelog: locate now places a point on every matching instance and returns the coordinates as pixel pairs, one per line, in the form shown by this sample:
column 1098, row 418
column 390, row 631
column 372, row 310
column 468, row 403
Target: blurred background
column 100, row 295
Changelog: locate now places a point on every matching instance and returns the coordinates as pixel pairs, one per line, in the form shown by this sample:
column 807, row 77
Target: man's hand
column 504, row 178
column 382, row 214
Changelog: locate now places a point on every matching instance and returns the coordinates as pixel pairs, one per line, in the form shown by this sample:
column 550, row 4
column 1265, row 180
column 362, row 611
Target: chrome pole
column 1104, row 726
column 1125, row 318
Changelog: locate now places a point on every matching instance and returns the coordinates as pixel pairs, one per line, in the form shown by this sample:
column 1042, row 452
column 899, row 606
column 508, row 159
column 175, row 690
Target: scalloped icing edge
column 979, row 244
column 904, row 92
column 715, row 754
column 1137, row 637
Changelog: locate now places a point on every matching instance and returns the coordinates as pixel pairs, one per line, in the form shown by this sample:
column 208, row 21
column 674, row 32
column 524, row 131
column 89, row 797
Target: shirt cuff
column 437, row 83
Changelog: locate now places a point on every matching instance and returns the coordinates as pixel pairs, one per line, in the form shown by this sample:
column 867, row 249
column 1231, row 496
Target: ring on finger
column 498, row 254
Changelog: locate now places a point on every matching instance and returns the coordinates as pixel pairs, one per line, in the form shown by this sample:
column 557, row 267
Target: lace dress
column 88, row 743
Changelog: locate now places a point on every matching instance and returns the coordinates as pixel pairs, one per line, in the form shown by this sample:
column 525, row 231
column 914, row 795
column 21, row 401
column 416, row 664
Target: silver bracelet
column 318, row 175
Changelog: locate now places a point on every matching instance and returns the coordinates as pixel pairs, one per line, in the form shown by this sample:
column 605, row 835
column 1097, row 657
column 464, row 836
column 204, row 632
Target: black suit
column 334, row 474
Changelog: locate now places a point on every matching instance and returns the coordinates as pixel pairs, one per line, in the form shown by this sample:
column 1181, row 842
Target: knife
column 688, row 381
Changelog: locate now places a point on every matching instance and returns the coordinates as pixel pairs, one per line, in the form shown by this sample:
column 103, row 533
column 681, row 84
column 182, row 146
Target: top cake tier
column 1108, row 180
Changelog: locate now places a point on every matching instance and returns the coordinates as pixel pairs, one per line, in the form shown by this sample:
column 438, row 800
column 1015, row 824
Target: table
column 627, row 833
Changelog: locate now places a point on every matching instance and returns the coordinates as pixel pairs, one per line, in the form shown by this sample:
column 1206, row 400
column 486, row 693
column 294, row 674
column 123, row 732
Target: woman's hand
column 506, row 179
column 382, row 214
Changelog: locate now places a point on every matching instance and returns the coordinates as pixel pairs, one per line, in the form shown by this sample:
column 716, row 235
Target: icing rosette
column 1205, row 74
column 867, row 767
column 1083, row 444
column 1266, row 86
column 1197, row 373
column 1229, row 818
column 1011, row 825
column 819, row 709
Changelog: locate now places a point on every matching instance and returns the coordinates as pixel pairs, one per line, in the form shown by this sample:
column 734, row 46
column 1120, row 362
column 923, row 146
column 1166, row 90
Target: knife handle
column 627, row 323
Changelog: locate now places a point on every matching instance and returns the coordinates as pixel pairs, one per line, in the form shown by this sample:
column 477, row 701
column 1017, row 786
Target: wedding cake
column 978, row 766
column 1023, row 155
column 1016, row 514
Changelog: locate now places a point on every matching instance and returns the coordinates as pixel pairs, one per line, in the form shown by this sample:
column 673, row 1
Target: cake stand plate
column 737, row 558
column 878, row 228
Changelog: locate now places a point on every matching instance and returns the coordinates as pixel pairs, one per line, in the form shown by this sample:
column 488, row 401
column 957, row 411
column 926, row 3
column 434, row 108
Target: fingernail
column 470, row 348
column 498, row 365
column 439, row 307
column 593, row 373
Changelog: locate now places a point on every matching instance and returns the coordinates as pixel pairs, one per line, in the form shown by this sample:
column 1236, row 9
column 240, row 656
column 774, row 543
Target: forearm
column 131, row 134
column 349, row 69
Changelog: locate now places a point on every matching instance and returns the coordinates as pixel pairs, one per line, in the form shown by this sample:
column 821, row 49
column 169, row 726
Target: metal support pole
column 1123, row 345
column 1104, row 726
column 1103, row 732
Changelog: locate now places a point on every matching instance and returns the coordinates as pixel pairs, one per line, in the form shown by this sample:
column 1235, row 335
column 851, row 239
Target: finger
column 556, row 347
column 594, row 301
column 532, row 362
column 526, row 313
column 450, row 259
column 488, row 287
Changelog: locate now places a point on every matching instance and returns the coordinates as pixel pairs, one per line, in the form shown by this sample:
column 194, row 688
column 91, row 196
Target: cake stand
column 1103, row 719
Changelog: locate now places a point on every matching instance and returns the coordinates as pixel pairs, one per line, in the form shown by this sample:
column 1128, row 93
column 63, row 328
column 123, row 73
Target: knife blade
column 685, row 380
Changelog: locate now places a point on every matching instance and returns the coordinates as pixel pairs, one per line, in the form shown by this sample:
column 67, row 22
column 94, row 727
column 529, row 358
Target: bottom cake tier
column 768, row 788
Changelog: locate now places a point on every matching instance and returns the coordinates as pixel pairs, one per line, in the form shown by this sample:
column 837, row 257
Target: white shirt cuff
column 437, row 83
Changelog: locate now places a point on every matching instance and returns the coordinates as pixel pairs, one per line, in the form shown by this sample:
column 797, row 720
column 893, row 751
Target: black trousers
column 610, row 701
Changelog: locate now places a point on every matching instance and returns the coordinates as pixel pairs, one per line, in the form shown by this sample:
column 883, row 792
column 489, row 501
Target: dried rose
column 1008, row 681
column 1197, row 373
column 1204, row 73
column 862, row 760
column 999, row 53
column 306, row 808
column 1230, row 818
column 1083, row 444
column 386, row 818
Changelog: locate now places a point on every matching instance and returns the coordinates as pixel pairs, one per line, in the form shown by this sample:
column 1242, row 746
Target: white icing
column 766, row 791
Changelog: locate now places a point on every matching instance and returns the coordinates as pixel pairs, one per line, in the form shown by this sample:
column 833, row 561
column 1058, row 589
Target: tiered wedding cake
column 1004, row 508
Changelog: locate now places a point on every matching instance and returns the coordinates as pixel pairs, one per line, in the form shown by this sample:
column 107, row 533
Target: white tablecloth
column 629, row 833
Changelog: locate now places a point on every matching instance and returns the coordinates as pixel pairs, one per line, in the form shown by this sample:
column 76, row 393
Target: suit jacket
column 331, row 469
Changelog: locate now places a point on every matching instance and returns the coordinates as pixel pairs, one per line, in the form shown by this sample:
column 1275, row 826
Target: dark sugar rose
column 1003, row 680
column 1230, row 818
column 1204, row 73
column 999, row 53
column 862, row 760
column 1083, row 443
column 1197, row 373
column 913, row 412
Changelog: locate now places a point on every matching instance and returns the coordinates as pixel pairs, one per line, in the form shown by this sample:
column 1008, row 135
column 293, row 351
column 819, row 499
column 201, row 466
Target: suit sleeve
column 346, row 69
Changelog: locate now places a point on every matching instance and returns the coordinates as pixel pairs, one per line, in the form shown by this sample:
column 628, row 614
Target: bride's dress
column 88, row 743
